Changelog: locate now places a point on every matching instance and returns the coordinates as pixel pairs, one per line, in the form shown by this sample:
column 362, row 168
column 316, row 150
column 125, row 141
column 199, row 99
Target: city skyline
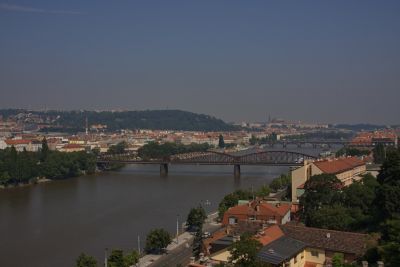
column 315, row 62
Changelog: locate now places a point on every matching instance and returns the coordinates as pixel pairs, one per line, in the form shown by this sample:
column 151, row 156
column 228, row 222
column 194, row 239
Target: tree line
column 27, row 167
column 155, row 150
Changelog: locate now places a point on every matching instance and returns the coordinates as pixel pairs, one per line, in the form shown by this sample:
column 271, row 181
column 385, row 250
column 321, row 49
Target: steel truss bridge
column 266, row 158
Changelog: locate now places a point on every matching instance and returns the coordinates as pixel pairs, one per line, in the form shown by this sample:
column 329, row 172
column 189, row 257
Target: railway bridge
column 263, row 158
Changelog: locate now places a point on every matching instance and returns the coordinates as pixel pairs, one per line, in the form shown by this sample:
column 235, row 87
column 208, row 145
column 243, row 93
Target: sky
column 314, row 61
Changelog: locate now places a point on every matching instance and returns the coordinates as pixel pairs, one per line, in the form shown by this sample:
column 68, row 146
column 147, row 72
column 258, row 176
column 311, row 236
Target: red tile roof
column 269, row 234
column 338, row 165
column 12, row 142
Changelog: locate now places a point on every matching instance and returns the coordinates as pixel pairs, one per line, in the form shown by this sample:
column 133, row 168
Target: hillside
column 148, row 119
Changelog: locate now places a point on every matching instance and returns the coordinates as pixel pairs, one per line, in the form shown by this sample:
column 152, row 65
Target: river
column 50, row 224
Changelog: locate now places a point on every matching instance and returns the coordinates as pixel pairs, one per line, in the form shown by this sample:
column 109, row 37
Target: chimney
column 380, row 263
column 364, row 263
column 328, row 235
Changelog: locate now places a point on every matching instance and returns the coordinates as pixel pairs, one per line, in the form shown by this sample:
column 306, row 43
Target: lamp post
column 177, row 228
column 105, row 257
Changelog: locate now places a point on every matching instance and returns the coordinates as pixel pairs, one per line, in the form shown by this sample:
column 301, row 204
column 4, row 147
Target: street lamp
column 177, row 228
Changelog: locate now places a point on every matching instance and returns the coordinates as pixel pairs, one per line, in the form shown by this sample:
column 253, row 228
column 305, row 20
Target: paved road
column 180, row 254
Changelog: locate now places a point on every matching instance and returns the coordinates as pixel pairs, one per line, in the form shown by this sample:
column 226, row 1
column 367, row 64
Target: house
column 258, row 210
column 21, row 144
column 346, row 169
column 285, row 251
column 217, row 247
column 72, row 148
column 322, row 244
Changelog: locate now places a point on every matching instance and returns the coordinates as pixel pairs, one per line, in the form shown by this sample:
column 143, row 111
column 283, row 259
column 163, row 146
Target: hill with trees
column 147, row 119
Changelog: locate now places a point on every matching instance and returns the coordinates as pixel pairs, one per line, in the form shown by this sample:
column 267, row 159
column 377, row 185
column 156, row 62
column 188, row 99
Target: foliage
column 198, row 242
column 157, row 240
column 244, row 252
column 351, row 151
column 334, row 217
column 319, row 190
column 263, row 191
column 221, row 142
column 116, row 258
column 148, row 119
column 379, row 153
column 118, row 148
column 337, row 260
column 196, row 217
column 155, row 150
column 85, row 261
column 232, row 199
column 281, row 182
column 253, row 140
column 131, row 258
column 24, row 167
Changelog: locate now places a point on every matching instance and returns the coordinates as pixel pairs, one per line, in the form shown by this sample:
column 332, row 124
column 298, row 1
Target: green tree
column 116, row 258
column 86, row 261
column 379, row 153
column 157, row 240
column 334, row 217
column 131, row 258
column 196, row 217
column 44, row 151
column 253, row 140
column 119, row 148
column 337, row 260
column 232, row 199
column 244, row 252
column 319, row 190
column 221, row 142
column 198, row 242
column 263, row 191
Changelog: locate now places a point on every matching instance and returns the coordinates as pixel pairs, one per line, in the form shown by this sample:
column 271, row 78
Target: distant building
column 72, row 148
column 346, row 169
column 21, row 144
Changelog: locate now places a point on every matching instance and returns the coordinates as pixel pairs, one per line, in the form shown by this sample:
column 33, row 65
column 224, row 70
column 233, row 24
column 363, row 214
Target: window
column 302, row 255
column 295, row 259
column 232, row 220
column 314, row 253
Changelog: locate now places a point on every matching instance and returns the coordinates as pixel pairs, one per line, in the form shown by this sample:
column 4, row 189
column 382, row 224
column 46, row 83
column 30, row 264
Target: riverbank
column 31, row 183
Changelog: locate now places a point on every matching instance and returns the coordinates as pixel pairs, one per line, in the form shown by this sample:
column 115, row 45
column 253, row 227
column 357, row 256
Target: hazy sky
column 332, row 61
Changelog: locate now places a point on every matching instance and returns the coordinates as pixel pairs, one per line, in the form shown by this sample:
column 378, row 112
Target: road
column 181, row 254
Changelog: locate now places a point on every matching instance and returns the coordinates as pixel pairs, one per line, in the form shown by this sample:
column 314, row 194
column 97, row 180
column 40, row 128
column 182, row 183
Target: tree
column 379, row 153
column 253, row 140
column 263, row 191
column 387, row 199
column 116, row 258
column 118, row 148
column 232, row 199
column 221, row 142
column 334, row 217
column 319, row 190
column 196, row 217
column 337, row 260
column 244, row 252
column 131, row 258
column 198, row 242
column 86, row 261
column 157, row 240
column 44, row 152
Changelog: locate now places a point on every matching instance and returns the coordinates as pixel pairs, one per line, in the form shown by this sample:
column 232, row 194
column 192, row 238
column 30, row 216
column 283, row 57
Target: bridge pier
column 236, row 170
column 164, row 169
